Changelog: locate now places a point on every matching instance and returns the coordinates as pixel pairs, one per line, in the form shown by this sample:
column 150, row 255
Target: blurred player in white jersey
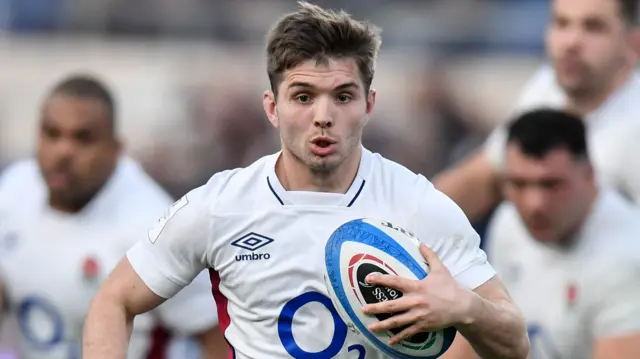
column 66, row 219
column 566, row 248
column 591, row 45
column 262, row 230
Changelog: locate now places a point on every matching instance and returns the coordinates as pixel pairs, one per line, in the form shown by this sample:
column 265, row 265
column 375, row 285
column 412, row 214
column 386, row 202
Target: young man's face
column 321, row 110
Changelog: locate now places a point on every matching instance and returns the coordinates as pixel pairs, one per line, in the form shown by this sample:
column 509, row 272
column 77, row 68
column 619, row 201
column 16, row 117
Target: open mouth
column 322, row 146
column 322, row 143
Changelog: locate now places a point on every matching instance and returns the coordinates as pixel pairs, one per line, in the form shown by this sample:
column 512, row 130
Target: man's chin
column 543, row 236
column 59, row 190
column 320, row 166
column 63, row 195
column 323, row 164
column 572, row 86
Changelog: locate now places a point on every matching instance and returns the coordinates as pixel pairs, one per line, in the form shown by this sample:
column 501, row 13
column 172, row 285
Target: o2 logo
column 285, row 329
column 542, row 345
column 34, row 314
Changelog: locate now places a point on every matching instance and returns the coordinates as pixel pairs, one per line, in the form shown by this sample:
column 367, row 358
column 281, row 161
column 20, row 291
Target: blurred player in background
column 567, row 249
column 68, row 216
column 592, row 46
column 262, row 229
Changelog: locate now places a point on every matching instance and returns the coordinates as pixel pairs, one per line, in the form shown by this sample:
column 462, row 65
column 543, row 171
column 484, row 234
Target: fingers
column 405, row 334
column 413, row 330
column 432, row 258
column 397, row 321
column 391, row 281
column 388, row 307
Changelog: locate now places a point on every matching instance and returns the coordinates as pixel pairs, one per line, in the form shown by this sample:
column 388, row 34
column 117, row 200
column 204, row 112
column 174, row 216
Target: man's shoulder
column 221, row 194
column 620, row 136
column 234, row 186
column 20, row 173
column 21, row 183
column 615, row 228
column 397, row 180
column 622, row 104
column 432, row 213
column 541, row 90
column 505, row 226
column 136, row 190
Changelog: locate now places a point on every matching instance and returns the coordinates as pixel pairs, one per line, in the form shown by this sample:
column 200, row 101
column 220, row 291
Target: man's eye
column 344, row 98
column 303, row 98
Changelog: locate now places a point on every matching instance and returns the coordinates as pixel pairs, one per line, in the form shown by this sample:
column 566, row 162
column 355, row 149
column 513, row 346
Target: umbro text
column 252, row 257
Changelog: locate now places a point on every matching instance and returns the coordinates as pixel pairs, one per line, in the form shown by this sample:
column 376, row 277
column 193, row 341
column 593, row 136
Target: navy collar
column 347, row 199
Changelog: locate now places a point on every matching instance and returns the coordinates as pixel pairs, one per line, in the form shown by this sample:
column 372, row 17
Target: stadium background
column 188, row 75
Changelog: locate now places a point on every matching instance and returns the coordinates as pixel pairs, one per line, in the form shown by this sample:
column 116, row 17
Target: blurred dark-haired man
column 66, row 218
column 566, row 247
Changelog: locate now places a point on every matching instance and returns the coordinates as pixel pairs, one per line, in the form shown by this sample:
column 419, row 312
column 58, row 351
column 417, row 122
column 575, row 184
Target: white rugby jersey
column 572, row 297
column 612, row 135
column 264, row 247
column 53, row 263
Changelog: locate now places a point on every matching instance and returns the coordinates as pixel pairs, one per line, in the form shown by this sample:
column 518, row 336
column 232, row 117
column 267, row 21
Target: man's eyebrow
column 344, row 86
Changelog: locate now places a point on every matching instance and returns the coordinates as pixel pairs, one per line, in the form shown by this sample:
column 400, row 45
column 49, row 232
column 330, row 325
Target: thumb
column 432, row 258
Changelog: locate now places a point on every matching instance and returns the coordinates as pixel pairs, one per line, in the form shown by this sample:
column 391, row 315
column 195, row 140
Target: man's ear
column 371, row 102
column 270, row 108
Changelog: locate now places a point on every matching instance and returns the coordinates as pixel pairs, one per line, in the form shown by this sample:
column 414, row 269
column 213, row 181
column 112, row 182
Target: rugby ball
column 363, row 246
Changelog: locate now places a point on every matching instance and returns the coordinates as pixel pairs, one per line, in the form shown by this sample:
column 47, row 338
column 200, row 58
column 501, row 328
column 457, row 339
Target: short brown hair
column 629, row 11
column 314, row 33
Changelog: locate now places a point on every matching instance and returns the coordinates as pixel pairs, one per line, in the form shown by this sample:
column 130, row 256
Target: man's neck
column 79, row 203
column 69, row 207
column 583, row 104
column 296, row 176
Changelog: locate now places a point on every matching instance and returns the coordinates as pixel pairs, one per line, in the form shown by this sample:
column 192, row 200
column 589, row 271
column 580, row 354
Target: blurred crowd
column 459, row 22
column 188, row 75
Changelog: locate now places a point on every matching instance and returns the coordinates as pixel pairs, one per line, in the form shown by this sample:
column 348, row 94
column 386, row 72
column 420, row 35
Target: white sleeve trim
column 476, row 275
column 147, row 268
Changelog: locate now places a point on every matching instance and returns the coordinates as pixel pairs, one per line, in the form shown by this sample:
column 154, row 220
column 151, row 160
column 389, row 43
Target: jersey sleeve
column 191, row 311
column 617, row 309
column 495, row 147
column 175, row 251
column 442, row 225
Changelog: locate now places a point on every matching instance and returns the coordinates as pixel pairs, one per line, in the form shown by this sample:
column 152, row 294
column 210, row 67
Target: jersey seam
column 468, row 267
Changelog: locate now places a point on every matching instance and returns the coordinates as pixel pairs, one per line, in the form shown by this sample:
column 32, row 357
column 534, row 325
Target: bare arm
column 623, row 347
column 460, row 349
column 473, row 185
column 213, row 343
column 108, row 324
column 495, row 327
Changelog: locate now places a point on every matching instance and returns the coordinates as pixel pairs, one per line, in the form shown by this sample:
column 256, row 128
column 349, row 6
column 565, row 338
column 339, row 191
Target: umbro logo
column 252, row 242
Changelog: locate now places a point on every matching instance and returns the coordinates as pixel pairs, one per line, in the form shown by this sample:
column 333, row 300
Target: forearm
column 213, row 344
column 107, row 330
column 496, row 329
